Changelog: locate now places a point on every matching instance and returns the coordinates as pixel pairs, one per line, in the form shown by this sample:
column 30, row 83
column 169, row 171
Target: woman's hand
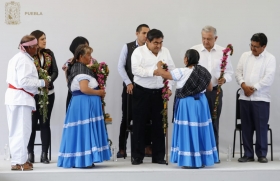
column 101, row 93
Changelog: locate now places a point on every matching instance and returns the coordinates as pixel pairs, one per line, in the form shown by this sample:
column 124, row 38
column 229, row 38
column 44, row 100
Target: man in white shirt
column 23, row 83
column 147, row 96
column 255, row 73
column 210, row 58
column 124, row 68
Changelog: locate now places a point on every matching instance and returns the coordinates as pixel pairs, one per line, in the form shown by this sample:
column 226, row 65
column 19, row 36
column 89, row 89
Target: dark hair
column 139, row 28
column 76, row 42
column 193, row 57
column 259, row 37
column 80, row 51
column 154, row 33
column 37, row 34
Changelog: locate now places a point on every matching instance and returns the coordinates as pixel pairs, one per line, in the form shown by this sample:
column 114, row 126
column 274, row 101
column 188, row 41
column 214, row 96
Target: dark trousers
column 44, row 127
column 211, row 97
column 147, row 104
column 69, row 96
column 127, row 111
column 254, row 116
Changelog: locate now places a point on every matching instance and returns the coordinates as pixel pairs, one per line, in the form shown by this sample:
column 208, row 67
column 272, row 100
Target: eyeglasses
column 252, row 46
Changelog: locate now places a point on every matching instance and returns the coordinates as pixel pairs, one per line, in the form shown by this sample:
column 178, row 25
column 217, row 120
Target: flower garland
column 229, row 48
column 43, row 95
column 165, row 98
column 47, row 63
column 43, row 91
column 102, row 71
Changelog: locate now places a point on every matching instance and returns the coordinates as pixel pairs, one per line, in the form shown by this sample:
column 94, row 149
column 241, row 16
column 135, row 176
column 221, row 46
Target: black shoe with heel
column 44, row 158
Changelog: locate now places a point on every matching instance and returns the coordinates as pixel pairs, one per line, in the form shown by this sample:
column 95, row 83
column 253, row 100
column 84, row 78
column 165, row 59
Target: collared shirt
column 143, row 64
column 22, row 73
column 212, row 61
column 122, row 63
column 257, row 72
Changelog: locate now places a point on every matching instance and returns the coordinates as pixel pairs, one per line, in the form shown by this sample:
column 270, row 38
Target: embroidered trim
column 87, row 152
column 99, row 118
column 47, row 63
column 187, row 153
column 193, row 123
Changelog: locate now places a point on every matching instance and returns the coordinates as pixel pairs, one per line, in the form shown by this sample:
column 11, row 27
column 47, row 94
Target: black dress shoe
column 187, row 167
column 159, row 161
column 31, row 157
column 219, row 161
column 44, row 158
column 262, row 160
column 119, row 155
column 136, row 161
column 246, row 159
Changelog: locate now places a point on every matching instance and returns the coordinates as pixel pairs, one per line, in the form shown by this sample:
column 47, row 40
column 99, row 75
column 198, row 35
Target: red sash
column 12, row 87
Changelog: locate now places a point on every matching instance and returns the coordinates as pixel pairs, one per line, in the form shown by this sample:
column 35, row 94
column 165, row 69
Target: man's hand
column 129, row 88
column 159, row 64
column 221, row 81
column 46, row 83
column 248, row 90
column 169, row 92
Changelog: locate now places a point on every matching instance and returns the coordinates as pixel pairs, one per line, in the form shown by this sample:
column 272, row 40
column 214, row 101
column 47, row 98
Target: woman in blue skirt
column 193, row 141
column 84, row 139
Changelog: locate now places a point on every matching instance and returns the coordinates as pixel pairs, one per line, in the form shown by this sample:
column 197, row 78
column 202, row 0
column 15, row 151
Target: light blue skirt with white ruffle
column 193, row 140
column 84, row 139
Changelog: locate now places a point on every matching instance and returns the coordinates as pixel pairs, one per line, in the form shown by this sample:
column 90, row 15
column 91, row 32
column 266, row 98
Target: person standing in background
column 255, row 74
column 124, row 68
column 79, row 40
column 210, row 58
column 44, row 59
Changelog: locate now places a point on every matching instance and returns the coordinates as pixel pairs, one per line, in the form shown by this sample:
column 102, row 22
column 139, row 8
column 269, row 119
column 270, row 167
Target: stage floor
column 122, row 170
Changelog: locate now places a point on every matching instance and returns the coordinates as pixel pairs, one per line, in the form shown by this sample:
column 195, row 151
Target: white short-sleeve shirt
column 76, row 85
column 181, row 75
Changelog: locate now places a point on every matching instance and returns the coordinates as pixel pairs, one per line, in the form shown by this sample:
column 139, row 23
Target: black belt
column 148, row 90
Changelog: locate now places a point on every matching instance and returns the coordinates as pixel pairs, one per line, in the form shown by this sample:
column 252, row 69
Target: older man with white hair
column 210, row 58
column 23, row 83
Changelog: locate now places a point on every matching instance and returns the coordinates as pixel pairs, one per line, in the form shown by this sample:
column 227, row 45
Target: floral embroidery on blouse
column 47, row 63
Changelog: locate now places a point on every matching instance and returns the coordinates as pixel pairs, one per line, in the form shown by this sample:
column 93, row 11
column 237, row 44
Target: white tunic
column 22, row 73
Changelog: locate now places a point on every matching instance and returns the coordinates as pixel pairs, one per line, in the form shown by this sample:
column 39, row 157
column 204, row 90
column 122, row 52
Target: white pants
column 19, row 123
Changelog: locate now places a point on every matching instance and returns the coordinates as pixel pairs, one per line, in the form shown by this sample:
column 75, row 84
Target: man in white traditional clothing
column 23, row 83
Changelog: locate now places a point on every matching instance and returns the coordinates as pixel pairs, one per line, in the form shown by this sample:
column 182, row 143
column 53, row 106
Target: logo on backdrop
column 12, row 11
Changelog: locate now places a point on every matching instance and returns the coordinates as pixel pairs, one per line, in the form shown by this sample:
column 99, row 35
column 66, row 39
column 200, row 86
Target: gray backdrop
column 108, row 24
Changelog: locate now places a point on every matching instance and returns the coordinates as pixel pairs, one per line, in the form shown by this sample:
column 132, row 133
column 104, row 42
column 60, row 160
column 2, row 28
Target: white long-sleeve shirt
column 122, row 63
column 22, row 73
column 212, row 62
column 143, row 64
column 257, row 72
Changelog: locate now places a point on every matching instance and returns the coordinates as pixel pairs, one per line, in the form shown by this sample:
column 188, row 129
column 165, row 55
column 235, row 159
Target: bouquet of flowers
column 102, row 71
column 229, row 48
column 165, row 98
column 43, row 95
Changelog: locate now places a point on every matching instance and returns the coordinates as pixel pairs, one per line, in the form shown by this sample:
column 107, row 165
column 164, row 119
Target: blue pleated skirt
column 84, row 138
column 193, row 140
